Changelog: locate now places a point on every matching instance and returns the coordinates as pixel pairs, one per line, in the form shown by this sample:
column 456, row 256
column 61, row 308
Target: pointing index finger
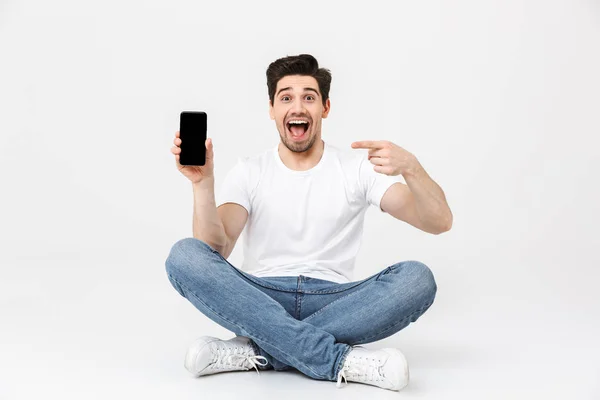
column 366, row 144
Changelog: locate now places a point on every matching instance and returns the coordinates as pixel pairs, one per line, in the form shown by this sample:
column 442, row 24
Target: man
column 293, row 303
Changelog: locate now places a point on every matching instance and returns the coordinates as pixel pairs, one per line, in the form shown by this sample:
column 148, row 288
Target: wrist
column 206, row 184
column 416, row 171
column 207, row 180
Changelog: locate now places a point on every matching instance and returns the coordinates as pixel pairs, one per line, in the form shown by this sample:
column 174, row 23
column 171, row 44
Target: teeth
column 297, row 122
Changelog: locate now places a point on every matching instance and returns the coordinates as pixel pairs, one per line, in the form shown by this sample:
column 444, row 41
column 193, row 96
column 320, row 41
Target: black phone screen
column 192, row 132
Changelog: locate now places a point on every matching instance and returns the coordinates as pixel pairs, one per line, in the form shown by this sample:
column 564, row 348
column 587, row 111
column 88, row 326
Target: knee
column 422, row 281
column 186, row 254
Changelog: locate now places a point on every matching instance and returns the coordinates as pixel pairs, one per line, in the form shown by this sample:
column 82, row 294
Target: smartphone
column 192, row 132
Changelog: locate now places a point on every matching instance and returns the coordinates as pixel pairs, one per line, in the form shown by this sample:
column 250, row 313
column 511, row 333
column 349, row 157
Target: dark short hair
column 303, row 64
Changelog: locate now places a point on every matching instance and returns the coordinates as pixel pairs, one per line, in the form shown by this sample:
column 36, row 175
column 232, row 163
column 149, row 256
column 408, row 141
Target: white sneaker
column 386, row 368
column 209, row 355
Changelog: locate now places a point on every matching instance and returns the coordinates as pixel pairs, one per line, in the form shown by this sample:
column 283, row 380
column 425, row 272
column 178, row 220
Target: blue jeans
column 300, row 322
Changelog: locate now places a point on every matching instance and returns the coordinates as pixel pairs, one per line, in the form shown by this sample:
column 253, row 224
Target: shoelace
column 361, row 368
column 230, row 357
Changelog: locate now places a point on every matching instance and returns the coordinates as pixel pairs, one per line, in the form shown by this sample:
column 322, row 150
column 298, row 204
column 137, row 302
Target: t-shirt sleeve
column 375, row 184
column 235, row 187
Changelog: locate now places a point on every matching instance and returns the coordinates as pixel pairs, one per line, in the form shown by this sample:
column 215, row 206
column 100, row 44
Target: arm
column 206, row 224
column 421, row 203
column 234, row 218
column 220, row 228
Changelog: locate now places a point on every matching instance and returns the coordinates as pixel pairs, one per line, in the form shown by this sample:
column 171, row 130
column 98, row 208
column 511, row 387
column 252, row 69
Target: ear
column 271, row 114
column 326, row 108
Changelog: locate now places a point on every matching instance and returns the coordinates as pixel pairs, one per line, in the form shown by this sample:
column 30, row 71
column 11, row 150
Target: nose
column 298, row 107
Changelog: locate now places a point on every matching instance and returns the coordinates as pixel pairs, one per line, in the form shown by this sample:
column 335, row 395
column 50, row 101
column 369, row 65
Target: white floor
column 497, row 99
column 107, row 328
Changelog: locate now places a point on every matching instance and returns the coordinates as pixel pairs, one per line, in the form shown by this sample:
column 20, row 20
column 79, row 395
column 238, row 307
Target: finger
column 367, row 144
column 177, row 134
column 379, row 161
column 176, row 150
column 378, row 153
column 383, row 169
column 177, row 141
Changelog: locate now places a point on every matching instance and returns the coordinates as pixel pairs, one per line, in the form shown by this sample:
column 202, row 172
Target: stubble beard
column 297, row 147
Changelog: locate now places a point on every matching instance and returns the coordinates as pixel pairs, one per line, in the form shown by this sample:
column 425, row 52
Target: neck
column 302, row 161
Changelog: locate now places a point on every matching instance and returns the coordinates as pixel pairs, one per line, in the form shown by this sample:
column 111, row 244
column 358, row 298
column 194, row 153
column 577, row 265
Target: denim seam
column 252, row 279
column 298, row 297
column 340, row 365
column 185, row 256
column 358, row 283
column 420, row 310
column 335, row 301
column 239, row 326
column 387, row 271
column 269, row 286
column 333, row 290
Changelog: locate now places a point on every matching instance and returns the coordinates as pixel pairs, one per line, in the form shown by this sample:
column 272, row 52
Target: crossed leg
column 317, row 345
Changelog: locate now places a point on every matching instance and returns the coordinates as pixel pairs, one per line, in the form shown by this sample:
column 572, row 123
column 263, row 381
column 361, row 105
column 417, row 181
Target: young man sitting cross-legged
column 293, row 303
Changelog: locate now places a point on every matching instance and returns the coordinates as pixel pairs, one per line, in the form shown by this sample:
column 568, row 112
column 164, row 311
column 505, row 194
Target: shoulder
column 250, row 168
column 257, row 159
column 256, row 163
column 251, row 161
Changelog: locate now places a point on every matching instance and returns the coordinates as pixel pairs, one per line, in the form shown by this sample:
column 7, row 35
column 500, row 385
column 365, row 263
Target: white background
column 499, row 101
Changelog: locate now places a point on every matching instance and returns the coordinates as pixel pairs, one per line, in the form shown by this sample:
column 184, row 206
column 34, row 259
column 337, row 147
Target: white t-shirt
column 304, row 222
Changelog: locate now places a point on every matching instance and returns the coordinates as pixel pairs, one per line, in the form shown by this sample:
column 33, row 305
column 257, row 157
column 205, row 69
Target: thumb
column 209, row 149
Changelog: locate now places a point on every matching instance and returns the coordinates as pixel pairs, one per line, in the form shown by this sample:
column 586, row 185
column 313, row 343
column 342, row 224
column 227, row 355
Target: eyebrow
column 305, row 89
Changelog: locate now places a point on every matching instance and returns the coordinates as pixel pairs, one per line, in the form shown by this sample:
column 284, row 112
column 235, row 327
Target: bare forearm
column 207, row 225
column 430, row 200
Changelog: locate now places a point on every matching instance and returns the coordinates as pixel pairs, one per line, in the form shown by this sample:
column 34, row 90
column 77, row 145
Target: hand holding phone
column 193, row 150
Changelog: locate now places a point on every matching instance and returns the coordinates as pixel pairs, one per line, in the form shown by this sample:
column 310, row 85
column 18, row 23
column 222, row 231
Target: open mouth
column 297, row 128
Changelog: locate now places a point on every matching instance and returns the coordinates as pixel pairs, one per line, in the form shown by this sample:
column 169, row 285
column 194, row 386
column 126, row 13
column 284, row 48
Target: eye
column 283, row 98
column 311, row 97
